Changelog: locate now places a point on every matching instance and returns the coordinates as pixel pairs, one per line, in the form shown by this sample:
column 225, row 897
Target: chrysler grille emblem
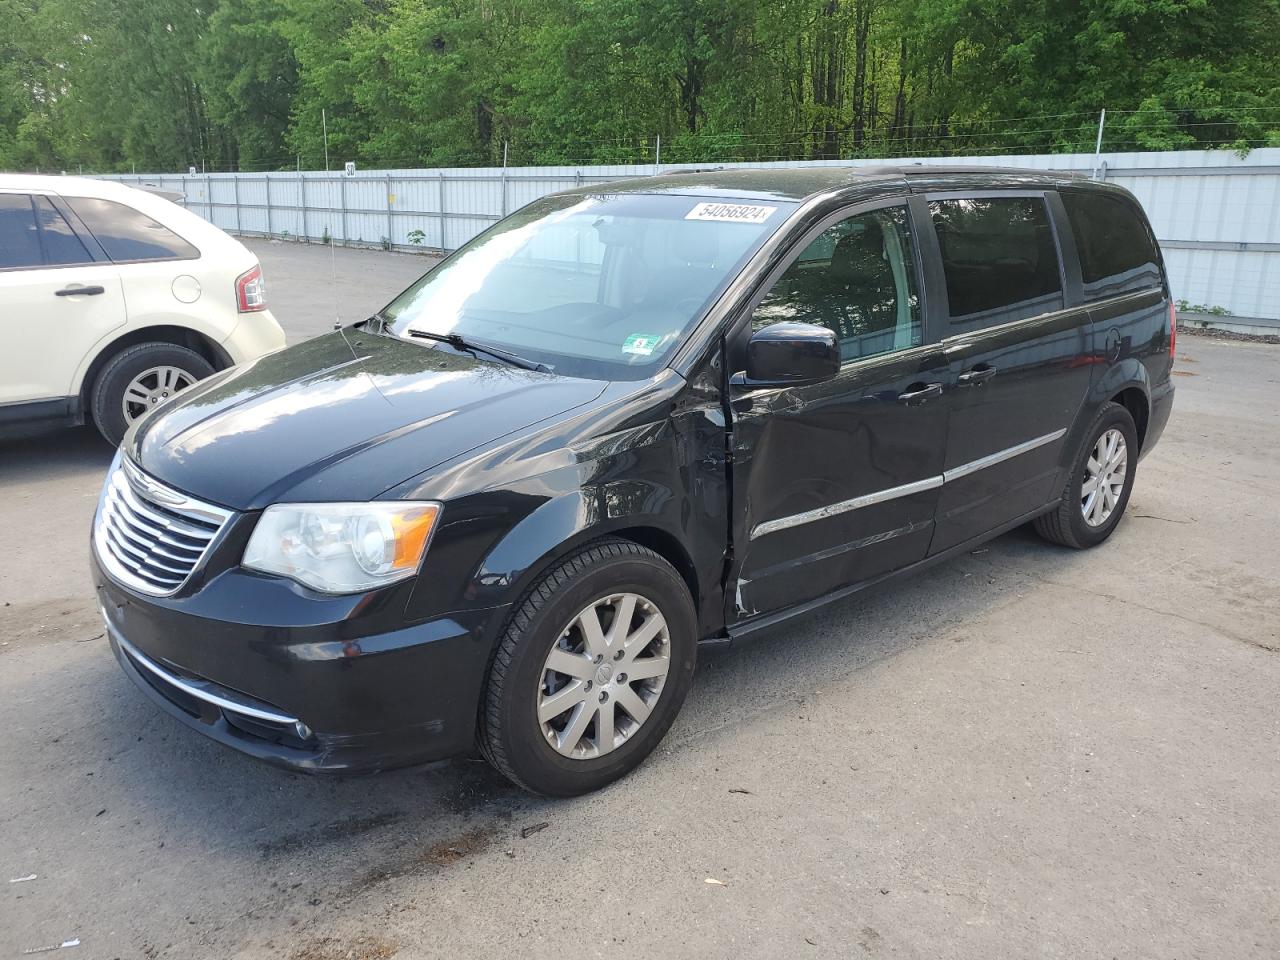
column 152, row 491
column 160, row 495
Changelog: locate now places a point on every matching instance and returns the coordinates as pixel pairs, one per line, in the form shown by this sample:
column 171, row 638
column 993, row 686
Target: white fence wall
column 1217, row 215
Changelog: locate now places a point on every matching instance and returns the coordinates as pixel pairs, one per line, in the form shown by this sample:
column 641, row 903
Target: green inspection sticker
column 641, row 344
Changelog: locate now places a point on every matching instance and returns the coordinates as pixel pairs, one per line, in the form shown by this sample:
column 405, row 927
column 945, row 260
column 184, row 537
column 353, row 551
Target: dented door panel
column 834, row 483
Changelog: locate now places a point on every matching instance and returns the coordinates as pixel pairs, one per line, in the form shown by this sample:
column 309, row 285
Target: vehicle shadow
column 347, row 835
column 776, row 665
column 53, row 455
column 49, row 487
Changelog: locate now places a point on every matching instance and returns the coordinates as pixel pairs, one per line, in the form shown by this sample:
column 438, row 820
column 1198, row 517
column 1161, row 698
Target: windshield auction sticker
column 641, row 344
column 731, row 212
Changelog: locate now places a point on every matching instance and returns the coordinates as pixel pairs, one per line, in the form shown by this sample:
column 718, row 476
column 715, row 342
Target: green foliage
column 249, row 76
column 1184, row 306
column 252, row 84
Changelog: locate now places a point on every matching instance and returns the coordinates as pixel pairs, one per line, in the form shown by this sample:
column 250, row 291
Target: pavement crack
column 1152, row 516
column 1165, row 612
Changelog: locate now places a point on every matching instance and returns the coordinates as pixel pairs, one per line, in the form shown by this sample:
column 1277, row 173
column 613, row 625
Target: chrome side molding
column 906, row 489
column 866, row 500
column 973, row 466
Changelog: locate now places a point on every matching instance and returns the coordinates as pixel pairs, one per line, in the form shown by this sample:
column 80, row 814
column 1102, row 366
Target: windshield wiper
column 459, row 342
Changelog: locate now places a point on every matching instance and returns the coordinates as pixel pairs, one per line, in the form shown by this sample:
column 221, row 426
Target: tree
column 249, row 76
column 244, row 83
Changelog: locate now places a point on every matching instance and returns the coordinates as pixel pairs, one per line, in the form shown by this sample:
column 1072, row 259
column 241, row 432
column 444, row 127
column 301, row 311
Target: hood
column 340, row 417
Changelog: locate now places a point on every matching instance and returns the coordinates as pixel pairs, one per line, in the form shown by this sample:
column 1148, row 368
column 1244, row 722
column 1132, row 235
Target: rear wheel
column 139, row 379
column 1101, row 479
column 591, row 672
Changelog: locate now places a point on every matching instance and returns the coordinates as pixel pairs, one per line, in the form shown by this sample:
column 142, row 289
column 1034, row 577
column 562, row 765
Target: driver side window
column 858, row 277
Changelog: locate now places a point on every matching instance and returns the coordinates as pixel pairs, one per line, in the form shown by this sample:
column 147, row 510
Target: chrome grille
column 149, row 537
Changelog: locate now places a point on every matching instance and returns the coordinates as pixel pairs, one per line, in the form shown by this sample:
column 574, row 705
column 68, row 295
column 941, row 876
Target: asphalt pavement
column 310, row 285
column 1027, row 752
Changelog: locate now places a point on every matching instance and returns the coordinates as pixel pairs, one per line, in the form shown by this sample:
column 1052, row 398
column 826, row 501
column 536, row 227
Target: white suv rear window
column 34, row 234
column 19, row 236
column 127, row 235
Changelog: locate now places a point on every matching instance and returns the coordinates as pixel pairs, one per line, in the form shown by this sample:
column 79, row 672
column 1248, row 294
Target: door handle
column 921, row 392
column 79, row 291
column 979, row 374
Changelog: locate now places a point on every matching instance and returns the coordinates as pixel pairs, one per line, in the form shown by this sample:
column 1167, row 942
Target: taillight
column 251, row 290
column 1173, row 329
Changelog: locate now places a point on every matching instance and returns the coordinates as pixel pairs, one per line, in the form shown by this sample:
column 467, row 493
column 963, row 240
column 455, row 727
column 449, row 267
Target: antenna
column 324, row 124
column 333, row 256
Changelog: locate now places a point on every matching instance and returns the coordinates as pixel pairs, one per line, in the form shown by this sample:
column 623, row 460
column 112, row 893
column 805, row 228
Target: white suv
column 113, row 299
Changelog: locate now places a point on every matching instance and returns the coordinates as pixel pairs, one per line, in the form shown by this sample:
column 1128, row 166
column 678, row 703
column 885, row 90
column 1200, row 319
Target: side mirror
column 789, row 354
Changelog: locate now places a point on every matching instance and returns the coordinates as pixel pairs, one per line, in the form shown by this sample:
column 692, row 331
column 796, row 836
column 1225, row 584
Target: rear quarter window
column 19, row 235
column 1117, row 251
column 128, row 235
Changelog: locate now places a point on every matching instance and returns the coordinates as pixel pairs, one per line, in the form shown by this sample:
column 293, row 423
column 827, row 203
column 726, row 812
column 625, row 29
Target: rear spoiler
column 176, row 196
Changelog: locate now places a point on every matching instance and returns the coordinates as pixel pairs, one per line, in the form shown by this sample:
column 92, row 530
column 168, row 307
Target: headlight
column 342, row 547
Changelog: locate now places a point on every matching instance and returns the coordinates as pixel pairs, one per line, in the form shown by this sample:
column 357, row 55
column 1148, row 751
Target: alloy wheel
column 1104, row 477
column 152, row 387
column 604, row 675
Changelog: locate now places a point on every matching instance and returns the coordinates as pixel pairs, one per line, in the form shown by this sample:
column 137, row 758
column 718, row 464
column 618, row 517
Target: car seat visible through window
column 861, row 287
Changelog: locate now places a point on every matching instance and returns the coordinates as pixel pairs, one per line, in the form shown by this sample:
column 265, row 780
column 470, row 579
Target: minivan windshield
column 592, row 286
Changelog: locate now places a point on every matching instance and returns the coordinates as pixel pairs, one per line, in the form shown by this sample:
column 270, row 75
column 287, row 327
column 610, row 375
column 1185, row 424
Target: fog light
column 302, row 730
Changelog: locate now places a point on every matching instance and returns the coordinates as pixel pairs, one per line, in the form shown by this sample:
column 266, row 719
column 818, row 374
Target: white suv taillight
column 251, row 290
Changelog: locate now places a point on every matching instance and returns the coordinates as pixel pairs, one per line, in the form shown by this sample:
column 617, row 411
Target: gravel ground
column 1025, row 752
column 1231, row 335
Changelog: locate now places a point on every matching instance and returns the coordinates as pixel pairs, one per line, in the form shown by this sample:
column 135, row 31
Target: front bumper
column 315, row 694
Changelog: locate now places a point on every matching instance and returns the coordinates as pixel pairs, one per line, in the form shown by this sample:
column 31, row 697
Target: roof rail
column 672, row 173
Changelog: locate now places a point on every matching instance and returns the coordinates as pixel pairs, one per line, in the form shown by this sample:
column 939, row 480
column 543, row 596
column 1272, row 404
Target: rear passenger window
column 128, row 235
column 19, row 236
column 858, row 277
column 1117, row 252
column 61, row 246
column 999, row 258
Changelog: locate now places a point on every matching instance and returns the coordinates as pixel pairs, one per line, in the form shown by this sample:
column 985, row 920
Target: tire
column 1066, row 524
column 514, row 737
column 107, row 397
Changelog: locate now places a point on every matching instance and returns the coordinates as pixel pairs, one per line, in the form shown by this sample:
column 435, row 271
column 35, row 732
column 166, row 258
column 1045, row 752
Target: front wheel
column 591, row 671
column 139, row 379
column 1101, row 480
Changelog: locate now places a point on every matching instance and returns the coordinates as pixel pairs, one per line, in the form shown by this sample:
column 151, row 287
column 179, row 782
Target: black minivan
column 626, row 420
